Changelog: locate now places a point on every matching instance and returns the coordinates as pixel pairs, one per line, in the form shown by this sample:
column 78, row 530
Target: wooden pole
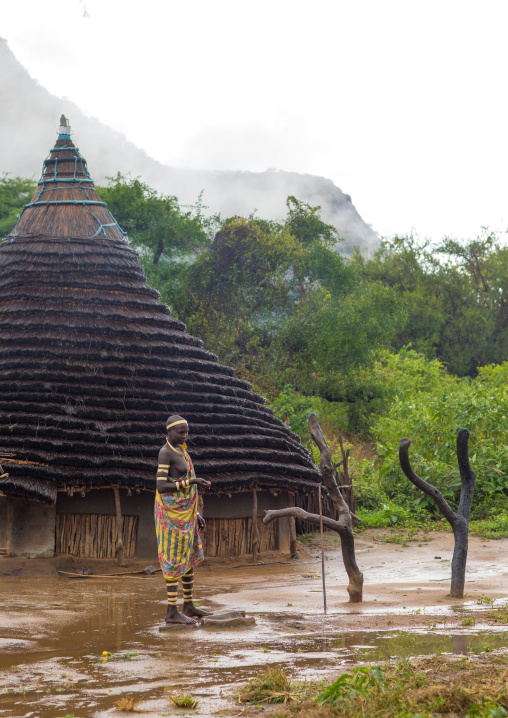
column 9, row 526
column 293, row 547
column 119, row 527
column 322, row 547
column 255, row 529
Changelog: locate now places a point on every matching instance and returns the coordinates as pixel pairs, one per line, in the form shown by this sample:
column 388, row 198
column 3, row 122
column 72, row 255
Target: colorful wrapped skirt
column 178, row 541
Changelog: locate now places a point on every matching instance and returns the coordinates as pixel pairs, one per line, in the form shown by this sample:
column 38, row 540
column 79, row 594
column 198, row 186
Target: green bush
column 431, row 418
column 389, row 514
column 493, row 528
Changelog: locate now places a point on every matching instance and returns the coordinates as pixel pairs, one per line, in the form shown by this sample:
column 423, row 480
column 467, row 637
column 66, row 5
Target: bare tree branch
column 327, row 468
column 303, row 515
column 428, row 489
column 467, row 475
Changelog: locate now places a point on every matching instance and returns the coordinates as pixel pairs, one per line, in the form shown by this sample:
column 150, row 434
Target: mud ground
column 54, row 630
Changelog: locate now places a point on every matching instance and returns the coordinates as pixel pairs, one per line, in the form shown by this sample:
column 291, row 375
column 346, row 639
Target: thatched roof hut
column 92, row 363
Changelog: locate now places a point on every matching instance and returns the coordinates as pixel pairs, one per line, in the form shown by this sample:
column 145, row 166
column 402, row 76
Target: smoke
column 28, row 124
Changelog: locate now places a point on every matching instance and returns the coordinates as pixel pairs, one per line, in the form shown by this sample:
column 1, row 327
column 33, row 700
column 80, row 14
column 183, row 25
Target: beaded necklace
column 182, row 453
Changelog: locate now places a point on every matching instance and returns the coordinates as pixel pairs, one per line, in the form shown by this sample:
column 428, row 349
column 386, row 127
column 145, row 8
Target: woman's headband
column 180, row 421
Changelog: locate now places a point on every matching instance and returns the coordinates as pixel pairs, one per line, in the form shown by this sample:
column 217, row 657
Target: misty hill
column 30, row 116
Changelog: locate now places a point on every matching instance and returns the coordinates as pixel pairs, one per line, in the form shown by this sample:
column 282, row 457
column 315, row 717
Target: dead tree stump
column 459, row 521
column 344, row 526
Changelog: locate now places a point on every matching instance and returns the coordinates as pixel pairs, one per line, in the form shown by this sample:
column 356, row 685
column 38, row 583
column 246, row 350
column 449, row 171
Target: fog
column 28, row 124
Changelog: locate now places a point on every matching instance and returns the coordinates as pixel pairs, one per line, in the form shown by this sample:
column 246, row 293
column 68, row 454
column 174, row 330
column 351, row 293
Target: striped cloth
column 178, row 541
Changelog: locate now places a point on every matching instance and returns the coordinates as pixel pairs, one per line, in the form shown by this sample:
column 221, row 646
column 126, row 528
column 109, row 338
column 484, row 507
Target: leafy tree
column 15, row 192
column 244, row 270
column 336, row 332
column 294, row 409
column 166, row 236
column 238, row 292
column 304, row 222
column 475, row 291
column 277, row 301
column 454, row 294
column 411, row 269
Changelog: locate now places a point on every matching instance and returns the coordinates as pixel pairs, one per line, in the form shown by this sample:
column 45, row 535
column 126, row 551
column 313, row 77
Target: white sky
column 402, row 103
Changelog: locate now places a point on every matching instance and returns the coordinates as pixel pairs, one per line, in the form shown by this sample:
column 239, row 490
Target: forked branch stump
column 344, row 526
column 459, row 520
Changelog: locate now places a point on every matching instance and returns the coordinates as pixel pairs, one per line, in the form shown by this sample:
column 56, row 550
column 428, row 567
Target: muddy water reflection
column 381, row 646
column 53, row 633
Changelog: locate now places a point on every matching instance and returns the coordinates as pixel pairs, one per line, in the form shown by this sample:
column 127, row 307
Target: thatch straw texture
column 29, row 488
column 92, row 363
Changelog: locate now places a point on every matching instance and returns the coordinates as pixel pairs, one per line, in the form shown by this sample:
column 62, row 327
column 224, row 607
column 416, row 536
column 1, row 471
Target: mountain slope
column 30, row 113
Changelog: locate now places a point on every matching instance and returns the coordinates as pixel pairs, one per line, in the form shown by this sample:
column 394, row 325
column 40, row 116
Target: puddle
column 53, row 633
column 382, row 646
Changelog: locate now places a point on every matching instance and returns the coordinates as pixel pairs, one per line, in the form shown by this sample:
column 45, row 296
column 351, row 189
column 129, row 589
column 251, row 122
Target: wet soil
column 54, row 630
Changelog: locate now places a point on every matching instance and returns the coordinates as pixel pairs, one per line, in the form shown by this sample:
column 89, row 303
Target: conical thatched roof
column 92, row 363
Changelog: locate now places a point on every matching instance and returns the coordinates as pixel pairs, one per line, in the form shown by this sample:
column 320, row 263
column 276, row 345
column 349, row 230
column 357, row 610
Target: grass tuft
column 127, row 704
column 271, row 686
column 499, row 615
column 362, row 681
column 485, row 600
column 183, row 700
column 469, row 621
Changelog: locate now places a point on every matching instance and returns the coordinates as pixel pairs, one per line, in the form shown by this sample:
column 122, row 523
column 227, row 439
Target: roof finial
column 64, row 131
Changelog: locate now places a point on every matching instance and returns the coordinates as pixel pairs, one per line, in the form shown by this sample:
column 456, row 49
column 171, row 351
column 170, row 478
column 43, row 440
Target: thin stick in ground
column 322, row 548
